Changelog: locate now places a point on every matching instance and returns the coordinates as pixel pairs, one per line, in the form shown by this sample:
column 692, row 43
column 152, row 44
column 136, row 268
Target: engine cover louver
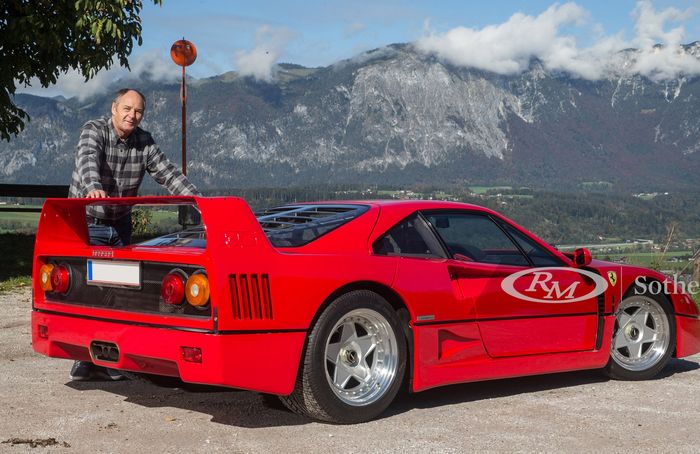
column 250, row 296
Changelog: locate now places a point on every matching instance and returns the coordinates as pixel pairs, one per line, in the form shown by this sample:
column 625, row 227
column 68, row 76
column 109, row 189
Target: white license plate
column 106, row 272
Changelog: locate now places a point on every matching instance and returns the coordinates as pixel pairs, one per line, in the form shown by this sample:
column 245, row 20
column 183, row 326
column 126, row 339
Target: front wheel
column 644, row 338
column 354, row 361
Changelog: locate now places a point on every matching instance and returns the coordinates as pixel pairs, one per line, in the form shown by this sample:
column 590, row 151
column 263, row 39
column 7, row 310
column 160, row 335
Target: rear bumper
column 265, row 362
column 688, row 335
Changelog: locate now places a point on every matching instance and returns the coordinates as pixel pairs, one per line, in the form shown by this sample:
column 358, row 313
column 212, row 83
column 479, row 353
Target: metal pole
column 183, row 97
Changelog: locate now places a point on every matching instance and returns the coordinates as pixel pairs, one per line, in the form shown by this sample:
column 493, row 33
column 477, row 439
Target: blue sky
column 319, row 33
column 251, row 36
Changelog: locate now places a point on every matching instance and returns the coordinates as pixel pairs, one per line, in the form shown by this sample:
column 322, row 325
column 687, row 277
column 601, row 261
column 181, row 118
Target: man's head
column 127, row 111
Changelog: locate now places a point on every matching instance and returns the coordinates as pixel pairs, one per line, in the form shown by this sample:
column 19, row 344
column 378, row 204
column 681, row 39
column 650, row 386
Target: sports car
column 335, row 306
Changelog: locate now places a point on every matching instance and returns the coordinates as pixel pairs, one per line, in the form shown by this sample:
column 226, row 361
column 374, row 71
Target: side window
column 538, row 255
column 411, row 237
column 475, row 237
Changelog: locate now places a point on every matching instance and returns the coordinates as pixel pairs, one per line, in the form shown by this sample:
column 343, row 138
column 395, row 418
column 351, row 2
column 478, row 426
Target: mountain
column 395, row 116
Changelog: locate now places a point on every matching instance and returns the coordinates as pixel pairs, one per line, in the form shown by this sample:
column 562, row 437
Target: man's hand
column 96, row 194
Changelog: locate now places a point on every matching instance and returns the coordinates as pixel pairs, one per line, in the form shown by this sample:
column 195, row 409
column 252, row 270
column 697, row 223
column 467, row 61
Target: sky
column 498, row 35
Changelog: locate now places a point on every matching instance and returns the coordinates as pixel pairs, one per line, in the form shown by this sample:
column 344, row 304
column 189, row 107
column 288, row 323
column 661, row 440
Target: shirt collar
column 114, row 136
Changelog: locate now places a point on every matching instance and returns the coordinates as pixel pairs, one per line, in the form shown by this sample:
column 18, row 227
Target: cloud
column 508, row 48
column 258, row 62
column 150, row 66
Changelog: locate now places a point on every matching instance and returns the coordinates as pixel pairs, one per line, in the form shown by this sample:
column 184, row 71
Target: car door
column 527, row 300
column 422, row 271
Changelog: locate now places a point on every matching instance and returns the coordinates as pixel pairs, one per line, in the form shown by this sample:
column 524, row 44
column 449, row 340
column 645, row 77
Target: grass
column 15, row 283
column 484, row 189
column 17, row 251
column 11, row 221
column 648, row 259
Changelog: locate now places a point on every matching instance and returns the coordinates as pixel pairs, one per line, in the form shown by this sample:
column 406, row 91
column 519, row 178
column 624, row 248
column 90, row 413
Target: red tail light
column 172, row 288
column 60, row 279
column 192, row 354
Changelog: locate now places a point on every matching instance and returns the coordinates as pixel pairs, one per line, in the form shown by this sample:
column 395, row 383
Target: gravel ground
column 42, row 411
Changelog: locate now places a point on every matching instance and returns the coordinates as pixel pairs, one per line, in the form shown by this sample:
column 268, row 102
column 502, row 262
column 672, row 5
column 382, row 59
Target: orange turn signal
column 197, row 290
column 45, row 277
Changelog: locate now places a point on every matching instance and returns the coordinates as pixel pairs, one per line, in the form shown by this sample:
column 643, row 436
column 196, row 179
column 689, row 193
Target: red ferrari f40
column 335, row 306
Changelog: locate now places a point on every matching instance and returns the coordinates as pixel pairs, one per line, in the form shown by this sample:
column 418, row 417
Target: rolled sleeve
column 89, row 157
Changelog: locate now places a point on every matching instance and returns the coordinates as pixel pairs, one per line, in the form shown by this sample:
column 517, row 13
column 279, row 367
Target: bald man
column 113, row 156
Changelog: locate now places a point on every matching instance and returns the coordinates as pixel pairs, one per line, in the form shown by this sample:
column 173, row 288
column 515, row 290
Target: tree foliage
column 40, row 39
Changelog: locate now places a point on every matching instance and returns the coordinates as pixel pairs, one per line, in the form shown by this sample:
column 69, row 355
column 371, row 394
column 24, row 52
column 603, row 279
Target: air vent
column 297, row 225
column 250, row 296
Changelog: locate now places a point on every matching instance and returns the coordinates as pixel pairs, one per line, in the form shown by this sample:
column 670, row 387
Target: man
column 113, row 156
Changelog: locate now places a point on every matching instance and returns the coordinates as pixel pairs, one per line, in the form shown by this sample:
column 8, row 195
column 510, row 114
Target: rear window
column 297, row 225
column 285, row 226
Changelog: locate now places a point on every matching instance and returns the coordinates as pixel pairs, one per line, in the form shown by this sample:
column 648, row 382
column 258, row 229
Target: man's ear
column 114, row 108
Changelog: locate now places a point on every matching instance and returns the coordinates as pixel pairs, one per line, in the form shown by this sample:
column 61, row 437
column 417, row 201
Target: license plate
column 110, row 273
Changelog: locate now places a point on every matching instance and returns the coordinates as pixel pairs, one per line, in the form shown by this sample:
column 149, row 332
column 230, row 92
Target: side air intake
column 250, row 296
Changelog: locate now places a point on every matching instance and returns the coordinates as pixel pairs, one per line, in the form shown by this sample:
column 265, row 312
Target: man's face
column 127, row 113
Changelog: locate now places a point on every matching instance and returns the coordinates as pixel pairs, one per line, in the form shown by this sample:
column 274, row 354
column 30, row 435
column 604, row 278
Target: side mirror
column 582, row 257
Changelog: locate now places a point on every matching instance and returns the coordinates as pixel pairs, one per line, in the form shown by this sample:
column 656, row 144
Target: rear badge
column 612, row 277
column 103, row 253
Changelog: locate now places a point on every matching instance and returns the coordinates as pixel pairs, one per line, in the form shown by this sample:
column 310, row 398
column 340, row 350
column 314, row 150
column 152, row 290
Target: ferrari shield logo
column 612, row 277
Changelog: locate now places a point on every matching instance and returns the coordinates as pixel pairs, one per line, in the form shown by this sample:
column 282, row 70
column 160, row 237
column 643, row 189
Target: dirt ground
column 42, row 411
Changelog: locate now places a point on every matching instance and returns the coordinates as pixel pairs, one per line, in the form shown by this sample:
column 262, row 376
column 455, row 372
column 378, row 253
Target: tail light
column 197, row 290
column 191, row 354
column 60, row 279
column 172, row 289
column 45, row 277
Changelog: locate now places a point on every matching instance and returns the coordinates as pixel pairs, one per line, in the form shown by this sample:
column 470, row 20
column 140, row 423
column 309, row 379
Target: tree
column 43, row 38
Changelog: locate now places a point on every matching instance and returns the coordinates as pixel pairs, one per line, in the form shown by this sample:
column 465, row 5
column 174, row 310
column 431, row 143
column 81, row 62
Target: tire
column 354, row 361
column 644, row 338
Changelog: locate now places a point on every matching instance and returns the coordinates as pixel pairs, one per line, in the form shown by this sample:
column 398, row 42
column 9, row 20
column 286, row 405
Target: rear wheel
column 354, row 361
column 644, row 338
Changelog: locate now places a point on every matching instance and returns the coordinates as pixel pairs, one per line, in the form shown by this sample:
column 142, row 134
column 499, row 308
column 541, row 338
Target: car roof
column 403, row 204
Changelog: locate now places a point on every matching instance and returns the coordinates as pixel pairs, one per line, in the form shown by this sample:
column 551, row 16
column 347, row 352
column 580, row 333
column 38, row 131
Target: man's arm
column 167, row 174
column 88, row 159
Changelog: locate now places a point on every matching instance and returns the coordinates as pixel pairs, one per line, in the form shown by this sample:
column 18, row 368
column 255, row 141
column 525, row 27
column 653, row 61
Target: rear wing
column 228, row 221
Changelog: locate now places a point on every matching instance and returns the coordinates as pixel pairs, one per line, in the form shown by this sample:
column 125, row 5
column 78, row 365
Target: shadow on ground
column 254, row 410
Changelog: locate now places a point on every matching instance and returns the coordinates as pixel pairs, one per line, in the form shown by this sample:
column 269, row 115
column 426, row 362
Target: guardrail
column 34, row 191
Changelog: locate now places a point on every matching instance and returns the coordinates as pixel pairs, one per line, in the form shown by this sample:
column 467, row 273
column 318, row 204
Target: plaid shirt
column 116, row 166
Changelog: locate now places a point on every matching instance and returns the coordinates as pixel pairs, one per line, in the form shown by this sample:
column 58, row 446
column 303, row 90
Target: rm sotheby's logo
column 542, row 286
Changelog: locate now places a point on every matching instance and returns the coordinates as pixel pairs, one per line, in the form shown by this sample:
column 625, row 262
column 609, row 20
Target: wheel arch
column 647, row 280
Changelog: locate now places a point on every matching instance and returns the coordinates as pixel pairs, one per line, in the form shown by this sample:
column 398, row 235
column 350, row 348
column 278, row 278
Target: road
column 572, row 412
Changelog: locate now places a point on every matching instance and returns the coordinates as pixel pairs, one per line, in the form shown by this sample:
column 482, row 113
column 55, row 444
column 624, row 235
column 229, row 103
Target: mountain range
column 396, row 116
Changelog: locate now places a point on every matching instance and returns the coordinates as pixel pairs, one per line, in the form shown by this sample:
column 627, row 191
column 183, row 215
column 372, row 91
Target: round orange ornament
column 183, row 52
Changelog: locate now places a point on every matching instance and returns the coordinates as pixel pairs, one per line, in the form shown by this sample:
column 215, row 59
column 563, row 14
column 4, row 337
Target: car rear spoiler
column 227, row 220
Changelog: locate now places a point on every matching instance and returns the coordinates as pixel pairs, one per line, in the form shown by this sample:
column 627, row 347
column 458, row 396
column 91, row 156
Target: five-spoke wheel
column 643, row 338
column 361, row 357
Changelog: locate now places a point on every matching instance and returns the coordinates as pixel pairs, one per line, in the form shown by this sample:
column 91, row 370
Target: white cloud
column 509, row 47
column 258, row 62
column 149, row 65
column 666, row 62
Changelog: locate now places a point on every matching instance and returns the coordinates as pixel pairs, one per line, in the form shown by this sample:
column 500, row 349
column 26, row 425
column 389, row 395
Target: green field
column 655, row 260
column 484, row 189
column 11, row 221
